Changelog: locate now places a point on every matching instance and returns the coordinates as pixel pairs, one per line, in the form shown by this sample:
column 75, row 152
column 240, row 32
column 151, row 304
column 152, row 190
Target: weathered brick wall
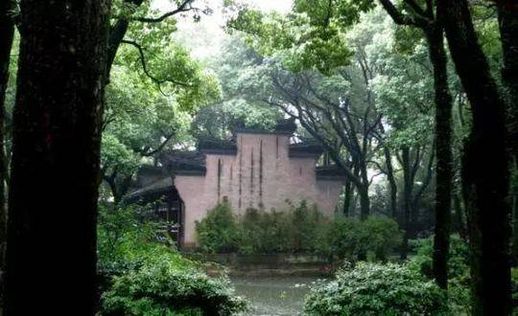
column 261, row 175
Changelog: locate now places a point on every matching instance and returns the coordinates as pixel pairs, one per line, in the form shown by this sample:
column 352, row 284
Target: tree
column 485, row 164
column 328, row 109
column 240, row 71
column 508, row 23
column 508, row 26
column 324, row 23
column 143, row 118
column 7, row 31
column 425, row 19
column 55, row 164
column 129, row 12
column 401, row 81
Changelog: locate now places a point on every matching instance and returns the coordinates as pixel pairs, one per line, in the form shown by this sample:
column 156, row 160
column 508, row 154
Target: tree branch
column 144, row 66
column 160, row 147
column 400, row 18
column 184, row 7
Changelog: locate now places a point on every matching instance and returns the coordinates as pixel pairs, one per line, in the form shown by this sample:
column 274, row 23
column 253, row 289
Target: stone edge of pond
column 271, row 265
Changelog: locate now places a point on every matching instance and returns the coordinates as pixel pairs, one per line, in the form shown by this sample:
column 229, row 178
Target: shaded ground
column 274, row 295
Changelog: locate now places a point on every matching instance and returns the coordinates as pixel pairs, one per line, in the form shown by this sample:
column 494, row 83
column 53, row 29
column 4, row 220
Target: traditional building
column 258, row 169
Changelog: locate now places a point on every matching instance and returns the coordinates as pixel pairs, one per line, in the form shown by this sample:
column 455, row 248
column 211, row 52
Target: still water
column 274, row 296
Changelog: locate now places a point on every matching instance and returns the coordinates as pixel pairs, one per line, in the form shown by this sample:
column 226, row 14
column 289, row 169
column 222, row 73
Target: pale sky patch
column 282, row 6
column 205, row 38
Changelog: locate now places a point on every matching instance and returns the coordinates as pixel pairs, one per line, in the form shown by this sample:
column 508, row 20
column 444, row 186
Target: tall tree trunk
column 508, row 22
column 485, row 169
column 392, row 183
column 444, row 173
column 348, row 192
column 363, row 191
column 459, row 223
column 514, row 212
column 55, row 162
column 407, row 200
column 6, row 41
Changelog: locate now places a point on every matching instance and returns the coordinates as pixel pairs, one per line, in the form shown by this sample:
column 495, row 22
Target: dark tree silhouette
column 485, row 164
column 508, row 22
column 425, row 19
column 51, row 251
column 6, row 41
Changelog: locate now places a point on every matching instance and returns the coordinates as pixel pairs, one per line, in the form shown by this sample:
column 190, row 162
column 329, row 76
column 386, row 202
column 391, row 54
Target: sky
column 203, row 47
column 272, row 5
column 265, row 5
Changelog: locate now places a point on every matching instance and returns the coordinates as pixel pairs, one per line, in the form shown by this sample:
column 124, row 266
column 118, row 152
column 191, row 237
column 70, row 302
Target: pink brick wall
column 260, row 175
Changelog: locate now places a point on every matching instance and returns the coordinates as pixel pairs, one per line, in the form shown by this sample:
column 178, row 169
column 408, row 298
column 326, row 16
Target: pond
column 277, row 295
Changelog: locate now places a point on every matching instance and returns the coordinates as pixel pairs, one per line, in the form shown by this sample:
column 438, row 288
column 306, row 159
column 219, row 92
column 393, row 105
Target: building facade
column 258, row 169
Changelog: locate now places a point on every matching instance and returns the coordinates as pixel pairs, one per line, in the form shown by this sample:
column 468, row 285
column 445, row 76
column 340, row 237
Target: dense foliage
column 458, row 270
column 217, row 232
column 356, row 81
column 300, row 229
column 376, row 237
column 142, row 276
column 163, row 289
column 374, row 289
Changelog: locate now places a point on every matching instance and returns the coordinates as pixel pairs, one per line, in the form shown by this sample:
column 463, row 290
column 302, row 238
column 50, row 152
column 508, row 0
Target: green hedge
column 351, row 238
column 218, row 231
column 301, row 229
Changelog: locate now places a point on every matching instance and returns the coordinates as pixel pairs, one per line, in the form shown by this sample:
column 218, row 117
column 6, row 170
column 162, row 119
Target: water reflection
column 274, row 295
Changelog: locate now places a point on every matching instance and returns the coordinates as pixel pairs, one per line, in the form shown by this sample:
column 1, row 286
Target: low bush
column 382, row 236
column 459, row 295
column 514, row 289
column 218, row 231
column 374, row 289
column 260, row 232
column 142, row 275
column 163, row 289
column 458, row 260
column 295, row 231
column 351, row 238
column 302, row 229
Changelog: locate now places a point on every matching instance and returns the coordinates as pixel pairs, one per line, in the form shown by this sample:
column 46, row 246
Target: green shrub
column 276, row 232
column 340, row 239
column 264, row 232
column 381, row 236
column 374, row 289
column 351, row 238
column 163, row 289
column 458, row 270
column 218, row 231
column 458, row 260
column 302, row 229
column 259, row 231
column 514, row 289
column 142, row 276
column 305, row 224
column 124, row 241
